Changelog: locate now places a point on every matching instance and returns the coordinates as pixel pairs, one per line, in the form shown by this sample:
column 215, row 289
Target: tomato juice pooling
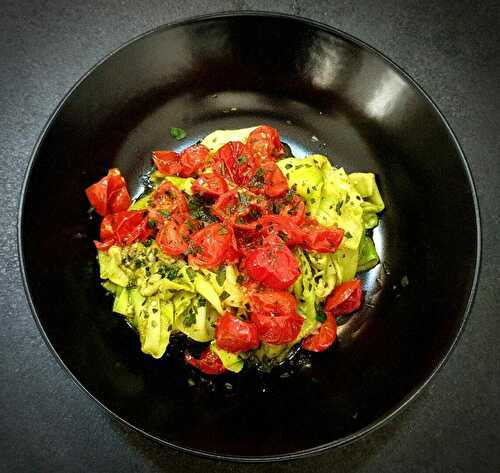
column 238, row 247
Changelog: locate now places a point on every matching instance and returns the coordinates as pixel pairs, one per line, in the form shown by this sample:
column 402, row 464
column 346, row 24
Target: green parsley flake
column 177, row 133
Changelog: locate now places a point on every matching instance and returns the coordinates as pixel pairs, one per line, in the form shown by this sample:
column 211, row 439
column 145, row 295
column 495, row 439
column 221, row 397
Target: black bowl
column 307, row 80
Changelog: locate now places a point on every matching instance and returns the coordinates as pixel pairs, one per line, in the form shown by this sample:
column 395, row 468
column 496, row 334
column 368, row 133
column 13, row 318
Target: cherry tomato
column 235, row 335
column 193, row 159
column 229, row 205
column 187, row 225
column 167, row 162
column 272, row 302
column 268, row 180
column 295, row 209
column 226, row 159
column 284, row 227
column 167, row 200
column 322, row 239
column 247, row 239
column 232, row 161
column 210, row 185
column 277, row 330
column 325, row 336
column 110, row 194
column 344, row 299
column 264, row 143
column 273, row 264
column 208, row 363
column 107, row 232
column 170, row 239
column 122, row 229
column 211, row 246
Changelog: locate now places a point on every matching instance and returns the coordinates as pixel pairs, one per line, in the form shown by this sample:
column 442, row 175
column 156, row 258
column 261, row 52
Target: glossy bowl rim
column 391, row 413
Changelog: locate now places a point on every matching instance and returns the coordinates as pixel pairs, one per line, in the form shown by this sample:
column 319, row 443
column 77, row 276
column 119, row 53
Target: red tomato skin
column 122, row 229
column 324, row 338
column 282, row 225
column 275, row 182
column 193, row 159
column 210, row 185
column 170, row 240
column 273, row 265
column 223, row 205
column 264, row 143
column 110, row 194
column 296, row 210
column 235, row 335
column 345, row 298
column 234, row 162
column 277, row 329
column 211, row 246
column 208, row 363
column 322, row 239
column 275, row 315
column 167, row 162
column 272, row 183
column 168, row 198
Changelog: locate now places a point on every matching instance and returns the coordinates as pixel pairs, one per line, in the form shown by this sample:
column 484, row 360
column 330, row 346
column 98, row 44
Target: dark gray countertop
column 450, row 48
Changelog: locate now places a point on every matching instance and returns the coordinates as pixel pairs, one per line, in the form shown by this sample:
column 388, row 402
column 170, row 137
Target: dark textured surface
column 49, row 425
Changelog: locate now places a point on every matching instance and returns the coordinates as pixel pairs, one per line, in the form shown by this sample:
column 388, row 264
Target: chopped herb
column 283, row 235
column 338, row 207
column 228, row 386
column 190, row 272
column 347, row 198
column 177, row 133
column 313, row 200
column 169, row 272
column 202, row 302
column 221, row 275
column 165, row 213
column 222, row 231
column 189, row 317
column 139, row 263
column 189, row 225
column 348, row 235
column 240, row 279
column 194, row 249
column 91, row 210
column 288, row 166
column 224, row 295
column 258, row 178
column 152, row 223
column 254, row 213
column 244, row 200
column 148, row 243
column 320, row 316
column 242, row 159
column 291, row 192
column 199, row 210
